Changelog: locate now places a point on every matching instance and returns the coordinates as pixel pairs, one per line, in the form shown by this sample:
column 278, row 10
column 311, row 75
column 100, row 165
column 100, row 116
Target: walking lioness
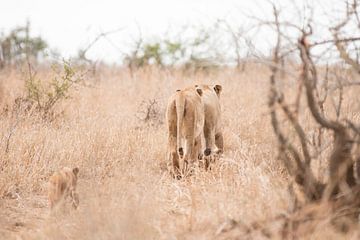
column 62, row 184
column 185, row 120
column 212, row 126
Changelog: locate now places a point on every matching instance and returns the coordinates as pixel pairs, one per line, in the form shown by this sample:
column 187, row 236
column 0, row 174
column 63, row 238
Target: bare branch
column 339, row 44
column 309, row 80
column 96, row 39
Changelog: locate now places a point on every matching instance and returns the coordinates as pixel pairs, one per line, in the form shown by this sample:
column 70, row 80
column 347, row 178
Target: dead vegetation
column 291, row 162
column 331, row 197
column 124, row 189
column 150, row 112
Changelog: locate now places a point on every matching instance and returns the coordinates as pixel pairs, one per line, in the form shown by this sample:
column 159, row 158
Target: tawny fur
column 212, row 126
column 185, row 120
column 62, row 185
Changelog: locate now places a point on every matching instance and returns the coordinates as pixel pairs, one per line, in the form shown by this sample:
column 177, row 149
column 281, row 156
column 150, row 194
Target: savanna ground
column 124, row 186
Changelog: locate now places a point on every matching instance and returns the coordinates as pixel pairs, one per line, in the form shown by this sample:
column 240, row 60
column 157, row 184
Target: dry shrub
column 150, row 112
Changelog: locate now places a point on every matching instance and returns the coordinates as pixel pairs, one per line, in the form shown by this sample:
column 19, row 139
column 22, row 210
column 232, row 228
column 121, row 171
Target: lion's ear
column 76, row 171
column 199, row 91
column 218, row 89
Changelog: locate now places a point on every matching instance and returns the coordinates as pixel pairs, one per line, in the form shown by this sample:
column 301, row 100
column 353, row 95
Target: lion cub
column 62, row 184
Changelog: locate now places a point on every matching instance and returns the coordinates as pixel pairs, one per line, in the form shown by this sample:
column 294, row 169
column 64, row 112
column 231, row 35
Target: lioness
column 62, row 184
column 212, row 127
column 185, row 120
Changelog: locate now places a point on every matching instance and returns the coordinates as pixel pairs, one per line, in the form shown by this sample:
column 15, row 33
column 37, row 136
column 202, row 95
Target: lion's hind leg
column 172, row 154
column 219, row 142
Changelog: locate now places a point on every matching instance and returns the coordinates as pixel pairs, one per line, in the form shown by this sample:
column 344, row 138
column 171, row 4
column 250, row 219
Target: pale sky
column 68, row 25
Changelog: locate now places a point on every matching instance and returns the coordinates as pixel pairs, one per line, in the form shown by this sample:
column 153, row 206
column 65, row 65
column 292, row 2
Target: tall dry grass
column 124, row 187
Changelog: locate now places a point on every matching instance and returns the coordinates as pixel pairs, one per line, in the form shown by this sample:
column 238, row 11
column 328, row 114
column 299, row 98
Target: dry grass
column 125, row 190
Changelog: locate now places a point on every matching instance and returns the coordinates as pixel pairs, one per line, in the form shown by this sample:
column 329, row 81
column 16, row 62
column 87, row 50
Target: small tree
column 18, row 45
column 341, row 190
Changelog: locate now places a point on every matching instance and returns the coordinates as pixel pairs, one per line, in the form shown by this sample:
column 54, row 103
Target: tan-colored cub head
column 62, row 185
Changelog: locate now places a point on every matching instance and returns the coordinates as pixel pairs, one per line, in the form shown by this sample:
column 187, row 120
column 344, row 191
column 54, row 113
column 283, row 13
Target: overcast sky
column 68, row 25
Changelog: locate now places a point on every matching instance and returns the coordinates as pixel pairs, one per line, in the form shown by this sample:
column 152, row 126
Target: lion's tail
column 180, row 111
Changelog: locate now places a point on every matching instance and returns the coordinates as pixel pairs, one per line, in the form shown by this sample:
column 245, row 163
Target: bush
column 42, row 96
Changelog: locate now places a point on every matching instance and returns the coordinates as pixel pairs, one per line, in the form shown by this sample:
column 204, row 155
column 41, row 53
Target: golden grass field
column 125, row 189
